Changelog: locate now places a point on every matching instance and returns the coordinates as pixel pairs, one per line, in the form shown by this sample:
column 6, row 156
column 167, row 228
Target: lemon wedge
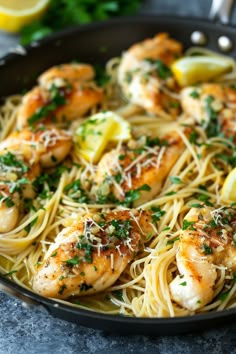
column 96, row 132
column 228, row 191
column 15, row 14
column 191, row 70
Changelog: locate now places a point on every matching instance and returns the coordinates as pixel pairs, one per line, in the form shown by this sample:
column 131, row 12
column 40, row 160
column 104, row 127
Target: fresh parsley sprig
column 64, row 13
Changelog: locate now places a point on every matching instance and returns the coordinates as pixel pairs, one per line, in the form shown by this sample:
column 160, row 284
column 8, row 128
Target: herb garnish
column 175, row 180
column 122, row 228
column 9, row 202
column 88, row 248
column 163, row 70
column 194, row 94
column 188, row 225
column 57, row 99
column 134, row 194
column 61, row 14
column 184, row 283
column 76, row 192
column 10, row 273
column 206, row 249
column 213, row 127
column 9, row 160
column 73, row 261
column 170, row 242
column 118, row 294
column 157, row 213
column 32, row 223
column 62, row 288
column 85, row 287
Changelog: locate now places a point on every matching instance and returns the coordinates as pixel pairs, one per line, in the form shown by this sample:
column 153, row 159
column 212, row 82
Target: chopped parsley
column 62, row 288
column 102, row 78
column 10, row 273
column 171, row 242
column 157, row 213
column 206, row 249
column 73, row 261
column 134, row 194
column 88, row 248
column 9, row 202
column 121, row 157
column 118, row 294
column 170, row 193
column 193, row 137
column 85, row 287
column 204, row 198
column 121, row 228
column 46, row 183
column 76, row 192
column 188, row 225
column 224, row 296
column 57, row 99
column 175, row 180
column 29, row 226
column 184, row 283
column 194, row 94
column 163, row 71
column 213, row 127
column 196, row 205
column 16, row 186
column 9, row 160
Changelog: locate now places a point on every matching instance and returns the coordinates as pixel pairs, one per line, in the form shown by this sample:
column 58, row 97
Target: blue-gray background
column 34, row 331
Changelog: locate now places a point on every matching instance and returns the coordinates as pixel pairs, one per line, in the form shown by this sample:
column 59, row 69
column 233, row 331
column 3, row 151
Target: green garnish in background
column 65, row 13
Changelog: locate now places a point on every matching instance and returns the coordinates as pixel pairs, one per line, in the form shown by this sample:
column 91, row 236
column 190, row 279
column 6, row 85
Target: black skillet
column 97, row 43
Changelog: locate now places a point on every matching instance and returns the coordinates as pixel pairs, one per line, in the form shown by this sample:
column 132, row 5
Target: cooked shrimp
column 22, row 155
column 211, row 103
column 206, row 241
column 140, row 166
column 62, row 95
column 90, row 255
column 49, row 146
column 17, row 172
column 145, row 77
column 70, row 72
column 9, row 208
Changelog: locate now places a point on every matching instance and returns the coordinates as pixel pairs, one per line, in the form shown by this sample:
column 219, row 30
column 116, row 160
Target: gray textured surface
column 34, row 331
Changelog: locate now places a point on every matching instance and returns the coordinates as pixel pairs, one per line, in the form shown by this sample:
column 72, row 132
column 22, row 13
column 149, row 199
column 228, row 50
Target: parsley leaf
column 122, row 228
column 134, row 194
column 194, row 94
column 188, row 225
column 157, row 213
column 213, row 127
column 175, row 180
column 73, row 261
column 57, row 99
column 61, row 14
column 76, row 192
column 206, row 249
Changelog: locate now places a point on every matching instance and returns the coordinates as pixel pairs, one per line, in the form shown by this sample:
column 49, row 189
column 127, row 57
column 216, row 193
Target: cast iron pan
column 97, row 43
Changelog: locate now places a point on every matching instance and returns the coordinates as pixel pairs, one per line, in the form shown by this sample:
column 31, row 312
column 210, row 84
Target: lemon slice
column 95, row 133
column 14, row 14
column 191, row 70
column 228, row 191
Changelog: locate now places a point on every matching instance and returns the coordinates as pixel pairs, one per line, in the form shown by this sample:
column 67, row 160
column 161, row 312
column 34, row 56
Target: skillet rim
column 26, row 295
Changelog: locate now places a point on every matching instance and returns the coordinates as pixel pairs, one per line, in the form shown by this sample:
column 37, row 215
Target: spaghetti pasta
column 197, row 176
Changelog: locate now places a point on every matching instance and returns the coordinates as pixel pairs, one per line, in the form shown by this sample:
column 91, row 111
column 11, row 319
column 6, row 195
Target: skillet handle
column 221, row 10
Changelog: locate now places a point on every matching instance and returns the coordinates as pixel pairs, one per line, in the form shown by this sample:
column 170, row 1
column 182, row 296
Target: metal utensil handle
column 221, row 10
